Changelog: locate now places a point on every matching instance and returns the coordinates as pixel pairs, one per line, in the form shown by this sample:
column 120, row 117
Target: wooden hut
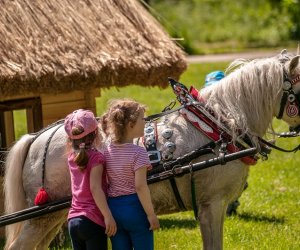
column 55, row 56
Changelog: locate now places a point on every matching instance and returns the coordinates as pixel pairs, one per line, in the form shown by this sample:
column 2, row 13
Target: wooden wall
column 53, row 108
column 56, row 107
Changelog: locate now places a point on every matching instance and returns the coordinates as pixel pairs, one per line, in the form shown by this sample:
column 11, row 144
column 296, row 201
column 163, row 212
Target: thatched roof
column 49, row 46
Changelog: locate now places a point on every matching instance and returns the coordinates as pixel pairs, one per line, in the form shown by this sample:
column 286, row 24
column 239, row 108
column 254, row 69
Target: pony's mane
column 246, row 99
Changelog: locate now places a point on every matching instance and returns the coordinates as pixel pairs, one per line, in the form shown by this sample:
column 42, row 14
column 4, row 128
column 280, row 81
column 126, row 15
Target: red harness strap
column 209, row 128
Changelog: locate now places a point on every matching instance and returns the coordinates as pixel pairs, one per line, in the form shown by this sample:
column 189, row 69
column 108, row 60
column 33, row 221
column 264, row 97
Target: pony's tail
column 13, row 184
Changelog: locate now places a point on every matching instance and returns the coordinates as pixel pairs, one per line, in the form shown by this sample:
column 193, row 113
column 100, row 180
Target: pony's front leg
column 211, row 216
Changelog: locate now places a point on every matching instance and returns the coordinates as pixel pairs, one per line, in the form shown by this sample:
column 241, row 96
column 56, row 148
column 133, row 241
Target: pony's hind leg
column 28, row 238
column 38, row 233
column 211, row 217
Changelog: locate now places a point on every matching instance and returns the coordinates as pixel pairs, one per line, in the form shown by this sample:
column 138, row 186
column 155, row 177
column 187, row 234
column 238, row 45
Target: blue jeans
column 86, row 234
column 133, row 226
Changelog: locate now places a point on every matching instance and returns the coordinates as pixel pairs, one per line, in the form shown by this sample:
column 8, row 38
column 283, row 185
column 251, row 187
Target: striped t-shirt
column 122, row 160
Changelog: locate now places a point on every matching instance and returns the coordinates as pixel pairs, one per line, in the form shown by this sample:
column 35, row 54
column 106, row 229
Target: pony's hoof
column 232, row 207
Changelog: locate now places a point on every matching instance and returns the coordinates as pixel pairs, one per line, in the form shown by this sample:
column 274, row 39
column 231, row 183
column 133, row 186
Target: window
column 17, row 116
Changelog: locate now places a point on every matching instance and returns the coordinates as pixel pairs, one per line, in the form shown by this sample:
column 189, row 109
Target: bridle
column 289, row 97
column 291, row 101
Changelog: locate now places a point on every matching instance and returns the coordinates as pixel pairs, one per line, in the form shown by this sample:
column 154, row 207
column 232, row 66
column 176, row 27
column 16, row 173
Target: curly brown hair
column 120, row 113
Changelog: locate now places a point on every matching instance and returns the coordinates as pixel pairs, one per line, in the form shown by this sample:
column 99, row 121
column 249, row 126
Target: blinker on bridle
column 289, row 96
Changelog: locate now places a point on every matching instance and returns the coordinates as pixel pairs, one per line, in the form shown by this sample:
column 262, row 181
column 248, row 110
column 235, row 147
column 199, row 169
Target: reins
column 271, row 145
column 163, row 113
column 287, row 134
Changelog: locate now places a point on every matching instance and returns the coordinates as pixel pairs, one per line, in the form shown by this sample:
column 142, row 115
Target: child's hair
column 80, row 147
column 82, row 129
column 120, row 113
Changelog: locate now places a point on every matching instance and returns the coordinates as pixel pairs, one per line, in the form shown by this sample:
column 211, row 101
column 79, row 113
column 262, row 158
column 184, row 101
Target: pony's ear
column 283, row 56
column 283, row 52
column 293, row 64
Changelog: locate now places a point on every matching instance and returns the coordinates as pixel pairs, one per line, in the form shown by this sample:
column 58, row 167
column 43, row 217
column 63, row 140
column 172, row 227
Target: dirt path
column 230, row 57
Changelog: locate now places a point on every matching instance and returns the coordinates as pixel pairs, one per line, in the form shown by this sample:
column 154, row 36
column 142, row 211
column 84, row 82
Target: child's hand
column 154, row 223
column 111, row 226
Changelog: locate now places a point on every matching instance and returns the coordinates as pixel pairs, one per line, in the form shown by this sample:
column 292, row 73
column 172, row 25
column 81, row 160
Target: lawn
column 156, row 98
column 269, row 214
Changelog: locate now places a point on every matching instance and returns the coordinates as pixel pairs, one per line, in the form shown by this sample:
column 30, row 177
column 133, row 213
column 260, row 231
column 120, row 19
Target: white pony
column 247, row 100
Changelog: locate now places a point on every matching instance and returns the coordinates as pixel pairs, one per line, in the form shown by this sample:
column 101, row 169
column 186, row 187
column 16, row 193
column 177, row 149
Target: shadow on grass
column 180, row 223
column 260, row 218
column 191, row 223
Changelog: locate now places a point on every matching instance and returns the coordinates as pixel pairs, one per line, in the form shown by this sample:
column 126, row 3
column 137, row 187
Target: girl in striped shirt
column 127, row 165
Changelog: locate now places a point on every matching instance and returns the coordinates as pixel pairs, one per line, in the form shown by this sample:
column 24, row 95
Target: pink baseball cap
column 80, row 118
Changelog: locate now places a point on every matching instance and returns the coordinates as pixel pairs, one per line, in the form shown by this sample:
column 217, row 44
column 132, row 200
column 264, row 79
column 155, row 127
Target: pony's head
column 253, row 92
column 289, row 106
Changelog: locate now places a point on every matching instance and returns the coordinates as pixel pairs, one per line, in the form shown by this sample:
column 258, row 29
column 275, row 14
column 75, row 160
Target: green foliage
column 293, row 8
column 218, row 26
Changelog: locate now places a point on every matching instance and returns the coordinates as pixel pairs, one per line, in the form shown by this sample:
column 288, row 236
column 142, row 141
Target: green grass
column 269, row 214
column 156, row 98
